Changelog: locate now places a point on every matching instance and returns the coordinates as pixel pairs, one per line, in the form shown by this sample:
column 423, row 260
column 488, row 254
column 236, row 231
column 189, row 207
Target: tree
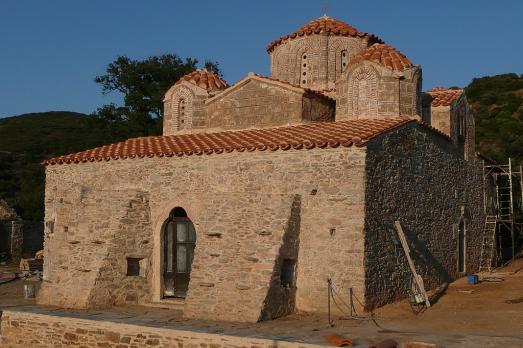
column 497, row 103
column 143, row 84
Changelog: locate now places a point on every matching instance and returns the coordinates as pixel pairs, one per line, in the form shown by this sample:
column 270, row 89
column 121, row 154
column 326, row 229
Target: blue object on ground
column 472, row 279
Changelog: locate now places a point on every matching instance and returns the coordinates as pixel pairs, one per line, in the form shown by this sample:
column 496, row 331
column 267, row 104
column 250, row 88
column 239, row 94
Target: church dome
column 324, row 24
column 205, row 79
column 384, row 55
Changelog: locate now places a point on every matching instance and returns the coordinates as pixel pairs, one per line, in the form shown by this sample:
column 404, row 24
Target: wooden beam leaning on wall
column 417, row 278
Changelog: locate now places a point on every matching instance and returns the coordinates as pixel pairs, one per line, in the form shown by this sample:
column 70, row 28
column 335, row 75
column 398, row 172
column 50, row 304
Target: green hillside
column 27, row 139
column 497, row 102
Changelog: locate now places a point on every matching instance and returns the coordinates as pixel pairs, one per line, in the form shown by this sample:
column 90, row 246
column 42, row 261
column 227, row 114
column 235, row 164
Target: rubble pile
column 32, row 269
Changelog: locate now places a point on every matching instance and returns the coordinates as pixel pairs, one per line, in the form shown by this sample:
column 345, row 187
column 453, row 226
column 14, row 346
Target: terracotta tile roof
column 384, row 55
column 304, row 136
column 444, row 97
column 313, row 91
column 324, row 24
column 205, row 79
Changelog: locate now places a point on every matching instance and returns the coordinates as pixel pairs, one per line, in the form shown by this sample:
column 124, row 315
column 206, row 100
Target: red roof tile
column 444, row 97
column 205, row 79
column 324, row 24
column 384, row 55
column 305, row 136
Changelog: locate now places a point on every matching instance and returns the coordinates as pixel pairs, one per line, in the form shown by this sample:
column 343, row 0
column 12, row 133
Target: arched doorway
column 179, row 240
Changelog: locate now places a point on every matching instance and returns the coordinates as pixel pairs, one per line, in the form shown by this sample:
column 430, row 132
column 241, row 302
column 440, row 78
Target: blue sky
column 50, row 51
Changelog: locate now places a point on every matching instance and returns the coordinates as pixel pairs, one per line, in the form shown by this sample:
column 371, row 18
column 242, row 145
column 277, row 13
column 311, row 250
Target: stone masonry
column 250, row 215
column 262, row 102
column 410, row 163
column 242, row 208
column 372, row 91
column 21, row 330
column 255, row 101
column 289, row 181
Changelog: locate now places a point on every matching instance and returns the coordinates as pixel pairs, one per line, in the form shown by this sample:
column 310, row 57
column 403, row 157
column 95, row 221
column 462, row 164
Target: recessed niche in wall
column 287, row 273
column 49, row 227
column 134, row 267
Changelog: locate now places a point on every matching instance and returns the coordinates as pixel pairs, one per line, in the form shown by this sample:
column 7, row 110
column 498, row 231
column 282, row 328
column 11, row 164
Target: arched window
column 181, row 109
column 304, row 78
column 364, row 93
column 344, row 59
column 179, row 239
column 182, row 114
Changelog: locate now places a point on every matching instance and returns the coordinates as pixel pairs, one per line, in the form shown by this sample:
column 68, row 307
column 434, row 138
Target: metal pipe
column 521, row 186
column 484, row 188
column 511, row 210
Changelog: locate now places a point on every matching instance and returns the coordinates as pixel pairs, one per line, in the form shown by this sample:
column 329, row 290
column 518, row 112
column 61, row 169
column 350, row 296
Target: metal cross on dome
column 325, row 7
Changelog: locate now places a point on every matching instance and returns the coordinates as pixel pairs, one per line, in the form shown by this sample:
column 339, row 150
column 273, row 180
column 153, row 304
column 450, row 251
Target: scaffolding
column 503, row 208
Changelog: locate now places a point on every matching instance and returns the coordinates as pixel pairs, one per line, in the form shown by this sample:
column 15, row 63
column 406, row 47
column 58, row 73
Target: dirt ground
column 489, row 314
column 11, row 291
column 494, row 307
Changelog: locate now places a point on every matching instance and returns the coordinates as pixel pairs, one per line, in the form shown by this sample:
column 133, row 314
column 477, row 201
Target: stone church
column 260, row 192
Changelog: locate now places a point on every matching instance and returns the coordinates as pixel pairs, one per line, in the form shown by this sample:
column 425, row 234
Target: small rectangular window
column 287, row 273
column 133, row 266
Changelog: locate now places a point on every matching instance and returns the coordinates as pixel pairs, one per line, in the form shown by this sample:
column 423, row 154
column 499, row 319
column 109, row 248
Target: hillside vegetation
column 497, row 103
column 28, row 139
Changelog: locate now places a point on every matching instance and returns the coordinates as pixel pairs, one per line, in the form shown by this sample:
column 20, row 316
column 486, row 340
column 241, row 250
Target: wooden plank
column 406, row 249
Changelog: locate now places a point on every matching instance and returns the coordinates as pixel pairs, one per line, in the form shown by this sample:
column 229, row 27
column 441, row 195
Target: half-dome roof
column 324, row 24
column 205, row 79
column 384, row 55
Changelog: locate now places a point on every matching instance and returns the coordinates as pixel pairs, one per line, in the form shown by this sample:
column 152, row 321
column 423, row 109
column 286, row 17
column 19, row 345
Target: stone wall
column 259, row 102
column 245, row 211
column 420, row 179
column 254, row 103
column 316, row 108
column 132, row 240
column 280, row 299
column 240, row 236
column 89, row 233
column 462, row 127
column 191, row 99
column 426, row 108
column 440, row 118
column 369, row 90
column 22, row 330
column 321, row 55
column 456, row 121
